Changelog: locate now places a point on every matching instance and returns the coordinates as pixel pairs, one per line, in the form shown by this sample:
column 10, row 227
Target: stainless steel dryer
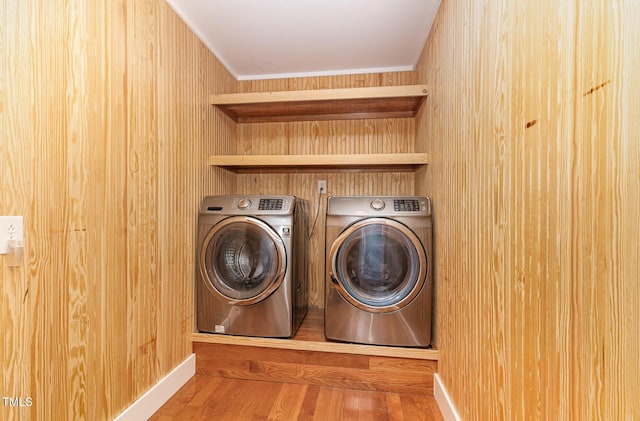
column 378, row 270
column 252, row 265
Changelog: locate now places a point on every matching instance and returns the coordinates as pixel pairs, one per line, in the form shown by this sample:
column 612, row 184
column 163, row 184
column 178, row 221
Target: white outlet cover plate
column 322, row 186
column 10, row 229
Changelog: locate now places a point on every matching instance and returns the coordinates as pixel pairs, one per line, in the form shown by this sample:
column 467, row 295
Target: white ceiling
column 266, row 39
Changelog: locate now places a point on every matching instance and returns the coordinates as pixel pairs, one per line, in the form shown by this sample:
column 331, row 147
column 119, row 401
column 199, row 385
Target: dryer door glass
column 243, row 260
column 379, row 265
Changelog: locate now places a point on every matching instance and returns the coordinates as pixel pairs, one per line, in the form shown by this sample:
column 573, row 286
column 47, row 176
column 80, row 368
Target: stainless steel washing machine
column 252, row 265
column 378, row 270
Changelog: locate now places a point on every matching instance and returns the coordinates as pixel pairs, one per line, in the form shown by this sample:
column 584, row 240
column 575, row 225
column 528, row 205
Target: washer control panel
column 248, row 205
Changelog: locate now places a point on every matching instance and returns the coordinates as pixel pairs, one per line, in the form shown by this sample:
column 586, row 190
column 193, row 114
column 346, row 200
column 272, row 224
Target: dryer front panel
column 242, row 260
column 378, row 265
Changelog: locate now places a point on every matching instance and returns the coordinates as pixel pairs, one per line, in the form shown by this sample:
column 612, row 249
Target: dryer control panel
column 379, row 205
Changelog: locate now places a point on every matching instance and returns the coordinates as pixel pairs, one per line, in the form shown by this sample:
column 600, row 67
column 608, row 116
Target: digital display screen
column 401, row 205
column 270, row 204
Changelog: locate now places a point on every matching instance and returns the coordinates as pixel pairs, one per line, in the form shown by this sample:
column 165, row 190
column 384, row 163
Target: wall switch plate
column 10, row 229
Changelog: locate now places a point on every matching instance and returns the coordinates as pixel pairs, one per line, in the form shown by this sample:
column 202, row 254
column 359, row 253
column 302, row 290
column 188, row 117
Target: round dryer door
column 242, row 260
column 378, row 265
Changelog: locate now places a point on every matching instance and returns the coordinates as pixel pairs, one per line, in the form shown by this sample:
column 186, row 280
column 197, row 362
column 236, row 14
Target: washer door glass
column 378, row 264
column 243, row 259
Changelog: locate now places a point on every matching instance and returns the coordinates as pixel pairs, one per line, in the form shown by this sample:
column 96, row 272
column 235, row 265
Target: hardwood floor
column 252, row 379
column 207, row 397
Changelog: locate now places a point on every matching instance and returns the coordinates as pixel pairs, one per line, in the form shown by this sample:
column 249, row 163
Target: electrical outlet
column 322, row 186
column 10, row 229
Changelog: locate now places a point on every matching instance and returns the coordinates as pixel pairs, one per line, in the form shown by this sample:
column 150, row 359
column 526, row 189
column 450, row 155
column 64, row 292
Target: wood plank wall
column 321, row 137
column 533, row 131
column 105, row 129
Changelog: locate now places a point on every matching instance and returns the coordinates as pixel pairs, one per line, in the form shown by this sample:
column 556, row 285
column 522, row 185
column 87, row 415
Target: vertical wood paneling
column 141, row 199
column 532, row 130
column 626, row 324
column 326, row 137
column 76, row 221
column 105, row 129
column 16, row 318
column 605, row 332
column 107, row 224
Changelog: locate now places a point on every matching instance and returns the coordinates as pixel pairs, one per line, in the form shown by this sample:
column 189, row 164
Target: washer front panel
column 378, row 265
column 242, row 260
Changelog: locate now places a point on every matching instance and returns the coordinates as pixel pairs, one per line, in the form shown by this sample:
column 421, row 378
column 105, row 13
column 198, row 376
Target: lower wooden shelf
column 310, row 337
column 399, row 162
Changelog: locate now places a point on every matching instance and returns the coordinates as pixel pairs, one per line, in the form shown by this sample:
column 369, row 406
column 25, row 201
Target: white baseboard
column 159, row 394
column 444, row 401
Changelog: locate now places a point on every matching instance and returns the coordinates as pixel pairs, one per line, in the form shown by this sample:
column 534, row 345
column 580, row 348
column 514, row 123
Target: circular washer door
column 378, row 265
column 243, row 260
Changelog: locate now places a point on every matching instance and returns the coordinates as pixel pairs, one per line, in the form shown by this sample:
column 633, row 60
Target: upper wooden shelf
column 323, row 104
column 400, row 162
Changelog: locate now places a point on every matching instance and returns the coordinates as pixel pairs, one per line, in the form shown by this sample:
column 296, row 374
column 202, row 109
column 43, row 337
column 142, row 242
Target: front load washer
column 378, row 270
column 252, row 265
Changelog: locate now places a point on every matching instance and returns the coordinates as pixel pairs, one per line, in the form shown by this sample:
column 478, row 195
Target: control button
column 244, row 204
column 377, row 205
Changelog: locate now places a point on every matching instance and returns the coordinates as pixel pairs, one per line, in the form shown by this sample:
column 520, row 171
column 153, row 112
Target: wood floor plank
column 220, row 405
column 190, row 399
column 329, row 404
column 419, row 408
column 351, row 405
column 288, row 403
column 372, row 406
column 179, row 400
column 205, row 386
column 394, row 407
column 253, row 400
column 309, row 404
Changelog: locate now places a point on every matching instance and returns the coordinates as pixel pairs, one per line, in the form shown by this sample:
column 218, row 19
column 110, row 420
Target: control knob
column 377, row 204
column 244, row 204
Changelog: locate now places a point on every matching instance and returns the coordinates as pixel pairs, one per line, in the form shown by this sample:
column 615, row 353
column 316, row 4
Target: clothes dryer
column 378, row 270
column 251, row 275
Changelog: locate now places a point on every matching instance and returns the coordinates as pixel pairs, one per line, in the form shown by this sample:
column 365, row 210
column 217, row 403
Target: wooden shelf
column 400, row 162
column 325, row 104
column 310, row 337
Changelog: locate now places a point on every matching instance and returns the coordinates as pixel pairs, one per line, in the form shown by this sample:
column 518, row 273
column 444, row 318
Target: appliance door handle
column 333, row 278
